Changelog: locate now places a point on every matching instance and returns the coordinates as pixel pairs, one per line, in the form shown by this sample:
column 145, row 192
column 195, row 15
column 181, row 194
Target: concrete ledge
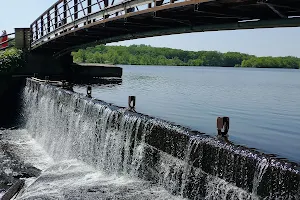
column 96, row 70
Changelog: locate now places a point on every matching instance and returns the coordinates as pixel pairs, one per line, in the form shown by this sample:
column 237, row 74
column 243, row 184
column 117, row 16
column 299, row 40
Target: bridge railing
column 68, row 15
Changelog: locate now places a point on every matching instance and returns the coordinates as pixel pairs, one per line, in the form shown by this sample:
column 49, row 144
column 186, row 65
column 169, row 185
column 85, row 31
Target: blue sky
column 261, row 42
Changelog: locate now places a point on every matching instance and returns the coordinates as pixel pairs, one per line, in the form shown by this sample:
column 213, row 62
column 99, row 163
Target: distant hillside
column 147, row 55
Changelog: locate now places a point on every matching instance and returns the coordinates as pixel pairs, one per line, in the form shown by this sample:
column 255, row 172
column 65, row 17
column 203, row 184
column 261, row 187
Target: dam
column 96, row 150
column 65, row 145
column 90, row 149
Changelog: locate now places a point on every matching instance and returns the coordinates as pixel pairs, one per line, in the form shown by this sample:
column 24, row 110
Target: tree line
column 147, row 55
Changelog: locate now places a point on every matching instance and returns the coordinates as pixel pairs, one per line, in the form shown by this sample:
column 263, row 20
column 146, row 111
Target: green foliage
column 272, row 62
column 147, row 55
column 10, row 60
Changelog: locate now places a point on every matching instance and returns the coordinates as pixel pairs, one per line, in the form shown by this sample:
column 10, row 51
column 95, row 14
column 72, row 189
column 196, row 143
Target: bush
column 10, row 60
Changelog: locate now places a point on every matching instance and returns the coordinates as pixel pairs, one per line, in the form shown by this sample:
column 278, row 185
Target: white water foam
column 26, row 148
column 72, row 179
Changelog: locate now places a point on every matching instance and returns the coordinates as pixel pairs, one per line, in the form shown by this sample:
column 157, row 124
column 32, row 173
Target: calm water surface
column 263, row 104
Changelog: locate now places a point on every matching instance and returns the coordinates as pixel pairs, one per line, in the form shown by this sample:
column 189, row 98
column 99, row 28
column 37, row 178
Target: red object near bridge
column 4, row 41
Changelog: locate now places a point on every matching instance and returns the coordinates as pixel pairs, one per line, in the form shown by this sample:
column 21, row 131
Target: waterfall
column 118, row 142
column 259, row 172
column 71, row 128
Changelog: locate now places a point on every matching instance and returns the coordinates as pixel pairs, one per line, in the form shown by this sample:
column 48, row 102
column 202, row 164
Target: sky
column 260, row 42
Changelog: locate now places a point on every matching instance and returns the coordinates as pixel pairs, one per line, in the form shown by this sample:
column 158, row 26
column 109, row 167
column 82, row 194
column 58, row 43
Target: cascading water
column 72, row 128
column 259, row 172
column 147, row 151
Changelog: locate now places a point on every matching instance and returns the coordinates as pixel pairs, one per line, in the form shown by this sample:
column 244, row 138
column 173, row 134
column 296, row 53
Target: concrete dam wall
column 187, row 163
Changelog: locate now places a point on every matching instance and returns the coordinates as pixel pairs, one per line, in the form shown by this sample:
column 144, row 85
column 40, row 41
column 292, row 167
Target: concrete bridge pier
column 41, row 62
column 44, row 63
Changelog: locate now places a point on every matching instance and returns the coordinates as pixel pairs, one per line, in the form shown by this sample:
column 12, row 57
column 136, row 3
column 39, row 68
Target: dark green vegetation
column 147, row 55
column 10, row 60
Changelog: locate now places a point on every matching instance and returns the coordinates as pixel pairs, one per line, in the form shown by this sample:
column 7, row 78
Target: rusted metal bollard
column 47, row 79
column 131, row 102
column 223, row 123
column 89, row 91
column 64, row 83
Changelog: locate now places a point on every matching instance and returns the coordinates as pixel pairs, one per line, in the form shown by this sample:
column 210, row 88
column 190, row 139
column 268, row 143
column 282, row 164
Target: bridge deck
column 144, row 18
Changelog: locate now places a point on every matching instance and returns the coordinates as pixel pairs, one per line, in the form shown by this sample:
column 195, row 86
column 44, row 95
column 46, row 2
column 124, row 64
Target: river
column 263, row 104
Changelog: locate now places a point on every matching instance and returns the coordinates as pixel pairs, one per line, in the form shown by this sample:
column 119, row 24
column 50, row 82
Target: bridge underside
column 181, row 17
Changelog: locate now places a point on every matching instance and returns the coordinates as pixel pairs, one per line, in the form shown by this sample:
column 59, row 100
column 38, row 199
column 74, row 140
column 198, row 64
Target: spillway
column 153, row 154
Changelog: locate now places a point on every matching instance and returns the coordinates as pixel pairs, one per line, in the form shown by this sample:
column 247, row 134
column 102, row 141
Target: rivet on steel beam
column 131, row 102
column 223, row 123
column 89, row 91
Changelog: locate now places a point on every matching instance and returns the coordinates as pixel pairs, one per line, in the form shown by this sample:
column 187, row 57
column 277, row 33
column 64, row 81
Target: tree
column 147, row 55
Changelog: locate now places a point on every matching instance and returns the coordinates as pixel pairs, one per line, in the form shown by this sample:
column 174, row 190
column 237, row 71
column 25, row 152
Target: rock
column 31, row 171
